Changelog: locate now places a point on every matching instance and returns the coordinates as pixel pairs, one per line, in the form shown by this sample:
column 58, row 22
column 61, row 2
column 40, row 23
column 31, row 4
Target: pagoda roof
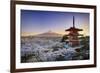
column 74, row 34
column 74, row 29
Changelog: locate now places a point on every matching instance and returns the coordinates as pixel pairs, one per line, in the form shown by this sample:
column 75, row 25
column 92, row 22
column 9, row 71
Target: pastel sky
column 36, row 22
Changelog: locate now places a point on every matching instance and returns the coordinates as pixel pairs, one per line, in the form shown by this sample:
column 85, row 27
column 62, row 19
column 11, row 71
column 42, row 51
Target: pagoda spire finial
column 73, row 22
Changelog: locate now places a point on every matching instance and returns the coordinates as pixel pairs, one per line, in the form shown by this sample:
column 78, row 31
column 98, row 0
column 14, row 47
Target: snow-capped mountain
column 49, row 34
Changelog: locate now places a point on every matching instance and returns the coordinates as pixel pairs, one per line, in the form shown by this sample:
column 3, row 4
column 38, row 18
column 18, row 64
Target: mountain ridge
column 48, row 34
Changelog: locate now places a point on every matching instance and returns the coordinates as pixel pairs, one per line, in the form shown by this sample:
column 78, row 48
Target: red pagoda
column 73, row 34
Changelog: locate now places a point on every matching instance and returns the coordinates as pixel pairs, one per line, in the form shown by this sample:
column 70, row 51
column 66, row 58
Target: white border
column 53, row 64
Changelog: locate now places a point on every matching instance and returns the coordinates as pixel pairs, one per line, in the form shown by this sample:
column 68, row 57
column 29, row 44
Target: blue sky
column 36, row 22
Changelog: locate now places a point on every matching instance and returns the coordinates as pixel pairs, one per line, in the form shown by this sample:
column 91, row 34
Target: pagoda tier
column 73, row 29
column 72, row 34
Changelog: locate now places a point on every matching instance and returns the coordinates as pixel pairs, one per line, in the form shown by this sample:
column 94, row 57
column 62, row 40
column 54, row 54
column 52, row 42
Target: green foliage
column 83, row 52
column 65, row 37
